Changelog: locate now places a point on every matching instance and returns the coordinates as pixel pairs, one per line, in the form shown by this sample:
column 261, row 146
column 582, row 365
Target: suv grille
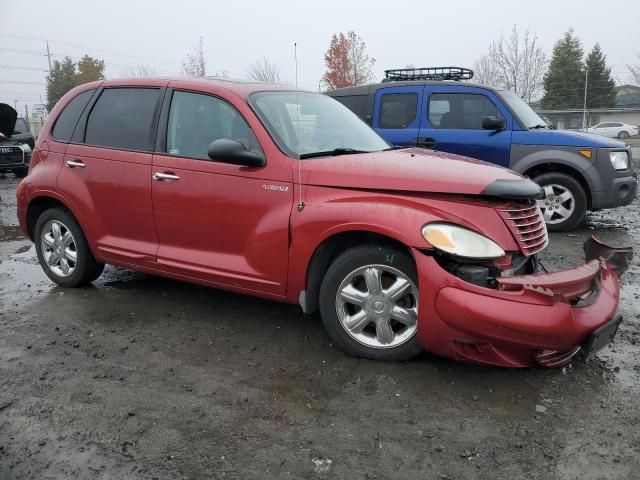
column 10, row 155
column 527, row 225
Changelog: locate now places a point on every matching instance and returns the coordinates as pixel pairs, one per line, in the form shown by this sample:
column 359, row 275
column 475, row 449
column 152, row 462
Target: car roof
column 367, row 89
column 241, row 87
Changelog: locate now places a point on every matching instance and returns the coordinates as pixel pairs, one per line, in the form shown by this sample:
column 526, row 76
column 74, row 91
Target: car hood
column 417, row 170
column 8, row 117
column 566, row 138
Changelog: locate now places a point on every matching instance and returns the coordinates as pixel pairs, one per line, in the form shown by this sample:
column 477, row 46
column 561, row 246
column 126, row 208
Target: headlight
column 25, row 147
column 619, row 160
column 460, row 241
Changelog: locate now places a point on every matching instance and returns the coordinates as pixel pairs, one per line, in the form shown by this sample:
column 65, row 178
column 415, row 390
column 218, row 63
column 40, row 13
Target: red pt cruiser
column 288, row 195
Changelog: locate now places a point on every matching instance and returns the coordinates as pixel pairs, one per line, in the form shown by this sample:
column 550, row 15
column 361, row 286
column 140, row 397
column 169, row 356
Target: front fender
column 525, row 157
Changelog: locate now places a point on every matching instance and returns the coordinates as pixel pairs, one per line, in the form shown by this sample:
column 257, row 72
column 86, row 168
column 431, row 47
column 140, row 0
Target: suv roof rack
column 428, row 73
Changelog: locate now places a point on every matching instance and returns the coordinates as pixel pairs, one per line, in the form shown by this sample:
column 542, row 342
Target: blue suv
column 431, row 108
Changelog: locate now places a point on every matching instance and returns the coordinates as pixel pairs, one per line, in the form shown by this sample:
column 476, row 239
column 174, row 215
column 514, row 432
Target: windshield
column 306, row 125
column 21, row 126
column 525, row 114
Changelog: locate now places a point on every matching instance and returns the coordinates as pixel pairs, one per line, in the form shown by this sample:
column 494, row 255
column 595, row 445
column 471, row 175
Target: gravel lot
column 142, row 377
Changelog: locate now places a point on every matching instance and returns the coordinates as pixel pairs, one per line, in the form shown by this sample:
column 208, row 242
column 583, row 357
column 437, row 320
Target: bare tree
column 634, row 72
column 138, row 71
column 516, row 63
column 264, row 71
column 194, row 65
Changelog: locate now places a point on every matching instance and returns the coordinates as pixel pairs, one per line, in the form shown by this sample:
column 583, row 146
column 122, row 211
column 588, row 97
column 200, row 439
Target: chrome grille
column 527, row 225
column 10, row 155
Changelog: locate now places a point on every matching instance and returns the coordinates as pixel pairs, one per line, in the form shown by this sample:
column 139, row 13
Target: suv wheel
column 565, row 203
column 63, row 251
column 623, row 134
column 21, row 172
column 369, row 303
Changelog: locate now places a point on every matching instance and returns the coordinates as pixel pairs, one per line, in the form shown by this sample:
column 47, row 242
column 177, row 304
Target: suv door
column 453, row 122
column 107, row 172
column 221, row 223
column 397, row 113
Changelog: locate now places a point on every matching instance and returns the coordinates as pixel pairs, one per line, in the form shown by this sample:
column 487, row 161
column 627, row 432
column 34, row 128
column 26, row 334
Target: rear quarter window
column 68, row 118
column 358, row 104
column 122, row 118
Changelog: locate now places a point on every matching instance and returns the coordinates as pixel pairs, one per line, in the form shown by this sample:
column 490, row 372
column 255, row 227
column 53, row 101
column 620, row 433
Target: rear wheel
column 623, row 134
column 565, row 204
column 21, row 172
column 369, row 303
column 63, row 250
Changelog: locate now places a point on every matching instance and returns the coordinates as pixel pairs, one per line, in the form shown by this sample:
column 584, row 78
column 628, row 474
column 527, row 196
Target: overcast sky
column 236, row 33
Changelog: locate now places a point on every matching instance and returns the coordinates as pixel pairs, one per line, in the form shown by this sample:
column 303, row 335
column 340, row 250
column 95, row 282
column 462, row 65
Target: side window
column 397, row 110
column 68, row 118
column 358, row 104
column 122, row 118
column 460, row 110
column 196, row 120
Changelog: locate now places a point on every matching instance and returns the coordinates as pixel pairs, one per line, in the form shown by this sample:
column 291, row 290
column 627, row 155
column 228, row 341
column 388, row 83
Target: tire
column 555, row 206
column 60, row 249
column 377, row 335
column 623, row 134
column 21, row 172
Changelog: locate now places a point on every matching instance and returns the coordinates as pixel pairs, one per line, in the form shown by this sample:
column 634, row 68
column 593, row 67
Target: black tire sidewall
column 21, row 172
column 623, row 134
column 579, row 195
column 86, row 265
column 342, row 266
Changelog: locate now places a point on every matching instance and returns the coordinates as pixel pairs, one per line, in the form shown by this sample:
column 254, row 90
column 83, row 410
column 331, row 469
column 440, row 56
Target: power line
column 24, row 52
column 21, row 82
column 35, row 69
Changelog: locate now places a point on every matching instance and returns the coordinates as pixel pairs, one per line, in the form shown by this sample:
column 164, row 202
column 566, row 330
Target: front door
column 453, row 123
column 221, row 223
column 396, row 114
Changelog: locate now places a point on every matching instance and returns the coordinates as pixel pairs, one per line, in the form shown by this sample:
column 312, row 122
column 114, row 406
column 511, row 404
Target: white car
column 614, row 129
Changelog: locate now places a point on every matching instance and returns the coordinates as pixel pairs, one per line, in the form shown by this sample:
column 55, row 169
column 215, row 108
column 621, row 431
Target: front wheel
column 565, row 204
column 63, row 250
column 369, row 303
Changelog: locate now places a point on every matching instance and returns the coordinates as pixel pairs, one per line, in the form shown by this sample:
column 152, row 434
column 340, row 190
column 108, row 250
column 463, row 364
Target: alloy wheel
column 558, row 204
column 59, row 248
column 377, row 305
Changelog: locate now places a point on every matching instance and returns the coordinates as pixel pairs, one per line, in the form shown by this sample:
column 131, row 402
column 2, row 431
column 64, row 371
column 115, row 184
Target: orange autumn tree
column 347, row 61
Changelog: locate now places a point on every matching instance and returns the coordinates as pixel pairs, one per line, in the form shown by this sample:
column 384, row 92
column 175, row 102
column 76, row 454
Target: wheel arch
column 551, row 167
column 328, row 250
column 40, row 204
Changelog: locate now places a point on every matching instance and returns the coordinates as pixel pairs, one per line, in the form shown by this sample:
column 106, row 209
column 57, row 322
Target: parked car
column 287, row 195
column 614, row 129
column 15, row 150
column 578, row 171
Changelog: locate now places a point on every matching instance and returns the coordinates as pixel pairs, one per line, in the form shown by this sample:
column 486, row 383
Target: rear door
column 453, row 123
column 225, row 224
column 397, row 113
column 107, row 173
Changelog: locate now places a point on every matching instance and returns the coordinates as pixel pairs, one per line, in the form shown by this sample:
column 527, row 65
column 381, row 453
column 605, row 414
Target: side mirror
column 227, row 150
column 492, row 123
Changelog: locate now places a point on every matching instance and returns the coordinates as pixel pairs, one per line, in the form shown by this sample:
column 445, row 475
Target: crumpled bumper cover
column 529, row 320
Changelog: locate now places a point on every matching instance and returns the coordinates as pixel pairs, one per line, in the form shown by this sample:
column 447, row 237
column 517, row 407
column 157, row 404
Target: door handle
column 426, row 142
column 75, row 164
column 168, row 177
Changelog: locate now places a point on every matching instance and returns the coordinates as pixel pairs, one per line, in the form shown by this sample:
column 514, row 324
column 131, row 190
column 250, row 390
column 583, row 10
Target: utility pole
column 584, row 105
column 26, row 112
column 48, row 55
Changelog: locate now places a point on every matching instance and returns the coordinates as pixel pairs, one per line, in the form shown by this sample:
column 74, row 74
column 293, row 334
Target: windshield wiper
column 540, row 125
column 398, row 147
column 332, row 153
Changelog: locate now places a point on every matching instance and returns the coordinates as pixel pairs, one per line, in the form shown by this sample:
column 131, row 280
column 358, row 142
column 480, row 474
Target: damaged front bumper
column 527, row 320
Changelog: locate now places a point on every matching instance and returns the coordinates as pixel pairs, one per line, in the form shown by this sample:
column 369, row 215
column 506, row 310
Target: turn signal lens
column 460, row 241
column 586, row 153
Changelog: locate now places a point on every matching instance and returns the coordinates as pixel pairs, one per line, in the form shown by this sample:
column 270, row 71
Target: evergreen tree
column 60, row 80
column 89, row 70
column 601, row 91
column 564, row 81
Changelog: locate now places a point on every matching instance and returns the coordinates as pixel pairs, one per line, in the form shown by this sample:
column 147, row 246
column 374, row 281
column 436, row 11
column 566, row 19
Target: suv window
column 398, row 110
column 68, row 118
column 358, row 104
column 122, row 118
column 461, row 110
column 196, row 120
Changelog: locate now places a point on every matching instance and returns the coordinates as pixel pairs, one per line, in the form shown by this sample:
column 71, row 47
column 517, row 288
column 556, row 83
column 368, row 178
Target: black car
column 16, row 142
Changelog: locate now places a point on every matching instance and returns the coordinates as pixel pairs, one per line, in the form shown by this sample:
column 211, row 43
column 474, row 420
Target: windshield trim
column 273, row 133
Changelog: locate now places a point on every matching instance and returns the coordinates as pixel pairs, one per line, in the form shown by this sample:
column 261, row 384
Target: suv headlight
column 460, row 241
column 25, row 147
column 619, row 160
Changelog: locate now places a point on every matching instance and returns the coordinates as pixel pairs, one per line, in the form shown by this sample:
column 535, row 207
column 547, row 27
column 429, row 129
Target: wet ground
column 142, row 377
